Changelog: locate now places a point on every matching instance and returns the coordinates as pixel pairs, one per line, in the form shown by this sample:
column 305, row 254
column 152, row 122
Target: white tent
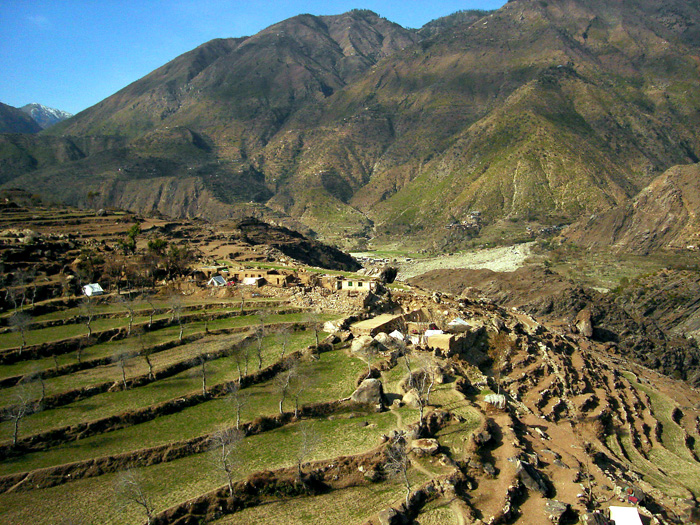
column 625, row 516
column 92, row 289
column 217, row 280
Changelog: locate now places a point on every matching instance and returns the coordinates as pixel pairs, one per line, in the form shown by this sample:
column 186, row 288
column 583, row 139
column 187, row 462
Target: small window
column 359, row 284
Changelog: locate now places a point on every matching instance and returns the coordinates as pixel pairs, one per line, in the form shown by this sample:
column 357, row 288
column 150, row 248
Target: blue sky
column 70, row 54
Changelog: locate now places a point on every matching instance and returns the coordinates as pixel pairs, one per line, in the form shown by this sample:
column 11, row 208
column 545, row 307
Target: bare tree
column 22, row 407
column 149, row 300
column 259, row 334
column 224, row 444
column 82, row 345
column 314, row 321
column 121, row 358
column 19, row 293
column 176, row 307
column 281, row 384
column 206, row 317
column 300, row 382
column 397, row 461
column 239, row 399
column 308, row 441
column 422, row 382
column 239, row 353
column 368, row 353
column 87, row 310
column 202, row 359
column 239, row 288
column 499, row 350
column 129, row 304
column 282, row 335
column 145, row 343
column 33, row 377
column 129, row 490
column 20, row 322
column 31, row 274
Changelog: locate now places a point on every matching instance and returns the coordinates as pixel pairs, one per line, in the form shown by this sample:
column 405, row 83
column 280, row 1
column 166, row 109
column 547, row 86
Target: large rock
column 360, row 343
column 390, row 516
column 555, row 510
column 584, row 323
column 425, row 446
column 411, row 399
column 531, row 478
column 370, row 392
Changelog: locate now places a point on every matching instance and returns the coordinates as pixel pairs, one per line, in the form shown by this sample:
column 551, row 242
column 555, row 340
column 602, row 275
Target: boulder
column 583, row 323
column 481, row 438
column 531, row 478
column 370, row 392
column 425, row 446
column 360, row 343
column 411, row 399
column 390, row 516
column 555, row 510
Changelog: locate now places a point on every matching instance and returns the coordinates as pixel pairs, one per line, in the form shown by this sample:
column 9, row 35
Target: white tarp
column 429, row 333
column 458, row 325
column 93, row 289
column 625, row 516
column 397, row 335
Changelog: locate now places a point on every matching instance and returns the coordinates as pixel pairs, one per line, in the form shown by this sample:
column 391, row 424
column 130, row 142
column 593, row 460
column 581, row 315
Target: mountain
column 45, row 116
column 662, row 216
column 13, row 120
column 358, row 128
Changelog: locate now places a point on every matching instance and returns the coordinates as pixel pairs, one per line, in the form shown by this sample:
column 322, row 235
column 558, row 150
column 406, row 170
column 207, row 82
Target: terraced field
column 89, row 422
column 145, row 407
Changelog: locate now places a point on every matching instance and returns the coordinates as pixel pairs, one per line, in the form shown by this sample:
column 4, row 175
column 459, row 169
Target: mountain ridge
column 362, row 129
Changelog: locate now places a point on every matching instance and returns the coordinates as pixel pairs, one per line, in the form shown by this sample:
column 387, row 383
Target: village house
column 381, row 323
column 358, row 285
column 260, row 277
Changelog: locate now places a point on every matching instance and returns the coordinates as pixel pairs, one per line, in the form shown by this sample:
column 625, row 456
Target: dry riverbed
column 503, row 259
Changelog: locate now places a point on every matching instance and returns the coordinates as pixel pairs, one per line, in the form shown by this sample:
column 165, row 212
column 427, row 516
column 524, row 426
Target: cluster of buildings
column 218, row 276
column 416, row 328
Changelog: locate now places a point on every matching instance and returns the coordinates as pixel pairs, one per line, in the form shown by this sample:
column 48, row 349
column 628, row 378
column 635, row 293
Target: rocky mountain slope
column 13, row 120
column 358, row 128
column 652, row 321
column 662, row 216
column 45, row 116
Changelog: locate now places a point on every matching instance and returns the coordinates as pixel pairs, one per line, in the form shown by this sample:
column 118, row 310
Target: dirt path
column 503, row 259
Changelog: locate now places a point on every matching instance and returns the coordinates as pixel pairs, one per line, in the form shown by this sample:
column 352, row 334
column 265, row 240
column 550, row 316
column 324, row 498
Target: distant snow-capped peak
column 44, row 115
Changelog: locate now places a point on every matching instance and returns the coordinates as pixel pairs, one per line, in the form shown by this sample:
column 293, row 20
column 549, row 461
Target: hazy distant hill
column 45, row 116
column 355, row 126
column 13, row 120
